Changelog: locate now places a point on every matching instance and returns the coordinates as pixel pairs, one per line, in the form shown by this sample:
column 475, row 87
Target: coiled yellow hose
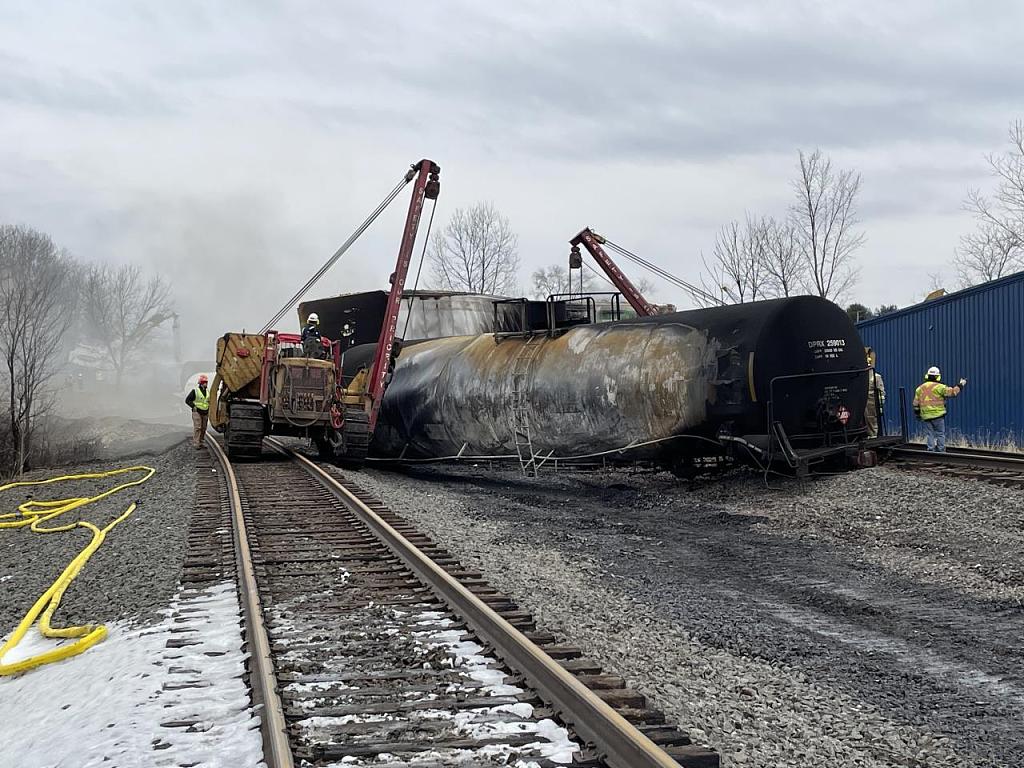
column 34, row 514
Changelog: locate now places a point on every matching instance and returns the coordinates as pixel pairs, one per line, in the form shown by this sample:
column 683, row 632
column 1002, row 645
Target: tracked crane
column 266, row 384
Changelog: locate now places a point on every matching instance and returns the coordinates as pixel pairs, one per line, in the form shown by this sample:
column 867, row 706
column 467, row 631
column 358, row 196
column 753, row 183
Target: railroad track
column 370, row 644
column 996, row 467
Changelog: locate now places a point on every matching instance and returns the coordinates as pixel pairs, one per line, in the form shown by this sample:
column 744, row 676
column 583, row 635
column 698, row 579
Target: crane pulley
column 594, row 243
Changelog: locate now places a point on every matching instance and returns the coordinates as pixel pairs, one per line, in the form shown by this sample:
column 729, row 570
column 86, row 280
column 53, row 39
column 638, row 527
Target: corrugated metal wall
column 977, row 333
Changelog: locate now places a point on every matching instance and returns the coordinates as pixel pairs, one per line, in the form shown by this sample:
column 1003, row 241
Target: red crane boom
column 593, row 242
column 426, row 187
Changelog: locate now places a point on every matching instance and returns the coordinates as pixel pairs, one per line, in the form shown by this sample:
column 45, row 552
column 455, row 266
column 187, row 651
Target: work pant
column 871, row 418
column 935, row 434
column 199, row 421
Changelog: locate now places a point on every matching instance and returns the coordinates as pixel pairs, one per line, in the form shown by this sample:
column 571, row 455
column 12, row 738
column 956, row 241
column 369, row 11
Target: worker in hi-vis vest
column 930, row 407
column 199, row 401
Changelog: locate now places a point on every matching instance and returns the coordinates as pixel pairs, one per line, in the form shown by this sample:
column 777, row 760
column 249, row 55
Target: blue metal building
column 977, row 333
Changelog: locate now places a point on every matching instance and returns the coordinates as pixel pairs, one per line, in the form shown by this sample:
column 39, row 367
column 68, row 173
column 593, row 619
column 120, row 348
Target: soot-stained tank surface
column 665, row 384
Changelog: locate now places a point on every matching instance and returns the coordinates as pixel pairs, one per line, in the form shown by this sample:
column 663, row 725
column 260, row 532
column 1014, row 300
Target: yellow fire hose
column 34, row 514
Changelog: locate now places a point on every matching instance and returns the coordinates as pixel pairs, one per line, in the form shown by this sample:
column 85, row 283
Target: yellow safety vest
column 202, row 401
column 931, row 398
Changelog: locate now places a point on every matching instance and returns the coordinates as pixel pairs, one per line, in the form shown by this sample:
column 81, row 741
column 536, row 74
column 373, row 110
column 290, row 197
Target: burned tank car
column 665, row 386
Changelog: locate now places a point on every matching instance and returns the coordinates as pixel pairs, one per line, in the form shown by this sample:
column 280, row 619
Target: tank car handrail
column 573, row 298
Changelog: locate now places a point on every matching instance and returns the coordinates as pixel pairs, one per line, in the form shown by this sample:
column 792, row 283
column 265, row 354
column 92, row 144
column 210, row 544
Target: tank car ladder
column 519, row 419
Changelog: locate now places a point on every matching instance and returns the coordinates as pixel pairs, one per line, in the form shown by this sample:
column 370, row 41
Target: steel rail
column 969, row 457
column 277, row 750
column 617, row 741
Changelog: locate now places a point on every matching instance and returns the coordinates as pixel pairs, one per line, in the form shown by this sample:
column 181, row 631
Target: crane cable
column 409, row 176
column 697, row 293
column 33, row 514
column 423, row 254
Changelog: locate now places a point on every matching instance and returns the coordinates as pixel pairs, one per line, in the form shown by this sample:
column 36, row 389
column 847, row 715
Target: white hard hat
column 313, row 318
column 934, row 371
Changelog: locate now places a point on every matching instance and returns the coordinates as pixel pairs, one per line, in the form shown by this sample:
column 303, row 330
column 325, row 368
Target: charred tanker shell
column 607, row 386
column 593, row 388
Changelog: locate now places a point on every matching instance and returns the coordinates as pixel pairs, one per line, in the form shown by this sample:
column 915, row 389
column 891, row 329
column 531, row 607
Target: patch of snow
column 553, row 740
column 318, row 723
column 469, row 657
column 130, row 700
column 319, row 687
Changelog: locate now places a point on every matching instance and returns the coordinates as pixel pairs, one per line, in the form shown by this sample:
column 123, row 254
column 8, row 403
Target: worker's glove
column 962, row 383
column 917, row 412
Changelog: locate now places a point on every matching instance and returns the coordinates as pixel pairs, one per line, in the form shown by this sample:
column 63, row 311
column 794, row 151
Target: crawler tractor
column 265, row 385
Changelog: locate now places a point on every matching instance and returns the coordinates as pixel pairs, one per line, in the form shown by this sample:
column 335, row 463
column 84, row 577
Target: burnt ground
column 899, row 595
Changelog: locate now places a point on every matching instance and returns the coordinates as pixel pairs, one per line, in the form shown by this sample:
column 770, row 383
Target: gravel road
column 866, row 619
column 135, row 571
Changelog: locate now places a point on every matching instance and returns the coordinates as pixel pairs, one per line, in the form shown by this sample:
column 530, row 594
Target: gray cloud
column 221, row 128
column 705, row 88
column 66, row 91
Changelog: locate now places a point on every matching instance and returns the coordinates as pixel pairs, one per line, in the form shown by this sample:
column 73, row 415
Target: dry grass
column 983, row 442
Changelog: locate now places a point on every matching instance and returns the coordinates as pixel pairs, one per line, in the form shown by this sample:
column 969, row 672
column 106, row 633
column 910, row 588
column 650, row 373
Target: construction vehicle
column 265, row 385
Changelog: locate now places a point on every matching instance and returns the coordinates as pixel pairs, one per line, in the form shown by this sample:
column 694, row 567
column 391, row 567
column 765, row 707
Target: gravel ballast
column 133, row 574
column 865, row 619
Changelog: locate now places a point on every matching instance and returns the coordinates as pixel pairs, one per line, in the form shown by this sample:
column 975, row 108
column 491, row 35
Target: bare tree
column 1004, row 210
column 784, row 264
column 997, row 248
column 988, row 254
column 476, row 252
column 825, row 220
column 123, row 309
column 598, row 282
column 726, row 267
column 36, row 310
column 555, row 279
column 738, row 261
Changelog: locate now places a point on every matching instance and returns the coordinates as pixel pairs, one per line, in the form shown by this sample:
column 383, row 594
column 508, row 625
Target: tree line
column 812, row 249
column 49, row 302
column 809, row 251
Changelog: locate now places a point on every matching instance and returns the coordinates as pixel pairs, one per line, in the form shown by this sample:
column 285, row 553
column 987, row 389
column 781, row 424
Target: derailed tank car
column 765, row 381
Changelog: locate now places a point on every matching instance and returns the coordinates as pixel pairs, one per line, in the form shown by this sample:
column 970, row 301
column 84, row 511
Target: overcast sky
column 233, row 145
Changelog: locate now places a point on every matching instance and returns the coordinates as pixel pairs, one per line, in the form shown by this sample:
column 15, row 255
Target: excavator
column 265, row 384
